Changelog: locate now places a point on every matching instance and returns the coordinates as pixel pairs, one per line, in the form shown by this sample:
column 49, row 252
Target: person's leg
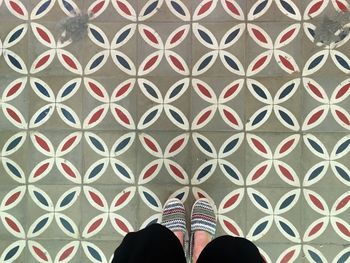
column 154, row 244
column 174, row 218
column 228, row 249
column 203, row 226
column 201, row 240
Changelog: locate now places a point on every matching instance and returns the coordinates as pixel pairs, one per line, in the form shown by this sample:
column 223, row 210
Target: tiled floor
column 232, row 100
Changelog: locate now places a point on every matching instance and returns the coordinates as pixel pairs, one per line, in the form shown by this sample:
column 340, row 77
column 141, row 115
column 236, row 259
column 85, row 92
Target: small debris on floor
column 74, row 28
column 332, row 30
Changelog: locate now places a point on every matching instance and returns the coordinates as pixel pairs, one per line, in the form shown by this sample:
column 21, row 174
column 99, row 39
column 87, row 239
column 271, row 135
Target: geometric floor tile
column 108, row 108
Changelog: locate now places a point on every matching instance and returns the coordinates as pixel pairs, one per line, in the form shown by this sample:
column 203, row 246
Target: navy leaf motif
column 287, row 202
column 42, row 89
column 260, row 7
column 231, row 63
column 343, row 146
column 260, row 116
column 151, row 91
column 40, row 225
column 97, row 35
column 67, row 199
column 14, row 170
column 15, row 62
column 150, row 199
column 94, row 253
column 41, row 198
column 287, row 7
column 204, row 171
column 177, row 90
column 316, row 172
column 260, row 228
column 42, row 115
column 231, row 145
column 43, row 7
column 178, row 8
column 96, row 170
column 14, row 143
column 286, row 117
column 176, row 116
column 205, row 62
column 16, row 35
column 343, row 173
column 231, row 172
column 259, row 91
column 287, row 229
column 315, row 146
column 151, row 8
column 150, row 116
column 68, row 116
column 342, row 62
column 68, row 6
column 122, row 170
column 314, row 256
column 315, row 62
column 260, row 201
column 96, row 143
column 205, row 36
column 205, row 145
column 67, row 225
column 286, row 91
column 123, row 36
column 122, row 144
column 231, row 36
column 11, row 253
column 69, row 89
column 123, row 62
column 97, row 62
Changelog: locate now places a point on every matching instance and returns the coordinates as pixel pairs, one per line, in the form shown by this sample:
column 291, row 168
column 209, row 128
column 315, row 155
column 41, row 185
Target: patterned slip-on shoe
column 174, row 217
column 202, row 219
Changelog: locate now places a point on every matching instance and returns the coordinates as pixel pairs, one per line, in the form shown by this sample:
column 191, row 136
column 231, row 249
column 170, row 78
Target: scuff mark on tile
column 332, row 30
column 74, row 28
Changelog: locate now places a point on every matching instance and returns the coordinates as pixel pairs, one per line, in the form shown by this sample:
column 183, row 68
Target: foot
column 201, row 239
column 180, row 235
column 203, row 226
column 173, row 217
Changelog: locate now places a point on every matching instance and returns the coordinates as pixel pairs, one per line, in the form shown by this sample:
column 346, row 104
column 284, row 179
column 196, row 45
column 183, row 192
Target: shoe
column 203, row 218
column 174, row 217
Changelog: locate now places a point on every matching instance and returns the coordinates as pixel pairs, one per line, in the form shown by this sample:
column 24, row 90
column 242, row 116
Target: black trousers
column 157, row 244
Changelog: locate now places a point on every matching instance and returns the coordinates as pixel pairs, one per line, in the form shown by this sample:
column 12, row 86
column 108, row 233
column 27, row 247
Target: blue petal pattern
column 43, row 7
column 11, row 253
column 288, row 7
